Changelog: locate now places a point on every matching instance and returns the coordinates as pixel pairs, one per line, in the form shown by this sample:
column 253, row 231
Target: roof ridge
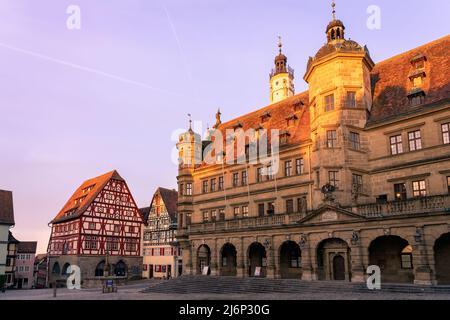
column 428, row 44
column 225, row 124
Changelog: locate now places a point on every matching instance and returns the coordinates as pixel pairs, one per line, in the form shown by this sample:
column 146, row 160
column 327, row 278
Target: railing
column 375, row 210
column 410, row 206
column 246, row 223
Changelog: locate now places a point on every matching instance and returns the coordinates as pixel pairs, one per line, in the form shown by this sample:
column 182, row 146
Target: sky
column 78, row 102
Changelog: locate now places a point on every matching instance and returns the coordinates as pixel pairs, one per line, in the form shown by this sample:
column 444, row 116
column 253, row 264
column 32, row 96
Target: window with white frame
column 415, row 140
column 396, row 144
column 446, row 133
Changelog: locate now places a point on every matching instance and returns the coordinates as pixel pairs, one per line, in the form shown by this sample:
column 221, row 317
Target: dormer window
column 265, row 116
column 291, row 120
column 416, row 97
column 284, row 136
column 298, row 105
column 418, row 61
column 238, row 126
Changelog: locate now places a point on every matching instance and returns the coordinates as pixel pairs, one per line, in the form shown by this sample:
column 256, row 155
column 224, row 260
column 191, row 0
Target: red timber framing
column 111, row 224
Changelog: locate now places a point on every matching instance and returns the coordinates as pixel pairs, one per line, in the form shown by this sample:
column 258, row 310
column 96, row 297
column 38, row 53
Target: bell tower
column 340, row 98
column 281, row 78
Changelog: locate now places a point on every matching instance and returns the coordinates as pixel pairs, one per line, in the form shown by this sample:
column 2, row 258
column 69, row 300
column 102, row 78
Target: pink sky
column 76, row 104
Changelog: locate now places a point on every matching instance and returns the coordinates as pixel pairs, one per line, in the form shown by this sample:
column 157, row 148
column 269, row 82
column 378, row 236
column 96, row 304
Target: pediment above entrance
column 329, row 214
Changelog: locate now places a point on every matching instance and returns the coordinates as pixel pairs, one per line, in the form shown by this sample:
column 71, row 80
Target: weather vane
column 280, row 44
column 190, row 120
column 333, row 5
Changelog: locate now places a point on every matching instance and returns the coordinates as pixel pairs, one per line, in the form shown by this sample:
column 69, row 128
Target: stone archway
column 120, row 269
column 56, row 270
column 442, row 259
column 257, row 259
column 64, row 270
column 99, row 269
column 290, row 260
column 393, row 255
column 203, row 258
column 333, row 260
column 228, row 265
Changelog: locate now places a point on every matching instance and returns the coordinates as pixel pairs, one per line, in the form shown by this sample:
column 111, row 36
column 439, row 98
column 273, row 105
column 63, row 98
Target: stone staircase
column 232, row 285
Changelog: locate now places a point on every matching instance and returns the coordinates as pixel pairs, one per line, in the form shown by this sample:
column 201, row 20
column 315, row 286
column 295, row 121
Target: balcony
column 415, row 206
column 247, row 223
column 411, row 206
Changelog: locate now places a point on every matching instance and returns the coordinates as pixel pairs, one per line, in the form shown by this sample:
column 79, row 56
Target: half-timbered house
column 99, row 230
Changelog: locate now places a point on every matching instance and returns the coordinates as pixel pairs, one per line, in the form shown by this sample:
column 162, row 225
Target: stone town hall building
column 364, row 174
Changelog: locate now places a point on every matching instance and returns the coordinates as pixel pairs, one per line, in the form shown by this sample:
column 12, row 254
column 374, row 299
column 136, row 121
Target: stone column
column 270, row 255
column 186, row 254
column 423, row 273
column 241, row 262
column 358, row 271
column 308, row 272
column 214, row 265
column 193, row 262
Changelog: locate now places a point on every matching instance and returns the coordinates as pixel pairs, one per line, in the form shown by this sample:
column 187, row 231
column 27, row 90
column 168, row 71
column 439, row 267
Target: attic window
column 418, row 61
column 284, row 135
column 88, row 189
column 298, row 105
column 291, row 120
column 238, row 126
column 265, row 116
column 416, row 97
column 79, row 200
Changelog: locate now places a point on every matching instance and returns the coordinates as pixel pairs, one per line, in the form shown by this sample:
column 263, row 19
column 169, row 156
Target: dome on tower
column 280, row 57
column 335, row 23
column 344, row 46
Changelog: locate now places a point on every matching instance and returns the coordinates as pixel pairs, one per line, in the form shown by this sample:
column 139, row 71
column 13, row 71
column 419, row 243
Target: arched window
column 64, row 269
column 121, row 269
column 100, row 269
column 56, row 268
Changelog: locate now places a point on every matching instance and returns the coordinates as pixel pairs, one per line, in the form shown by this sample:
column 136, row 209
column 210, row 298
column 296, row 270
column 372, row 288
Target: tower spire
column 190, row 121
column 280, row 44
column 333, row 5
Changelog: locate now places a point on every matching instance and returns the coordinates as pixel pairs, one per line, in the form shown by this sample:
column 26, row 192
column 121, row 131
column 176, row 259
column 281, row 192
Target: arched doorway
column 228, row 261
column 64, row 270
column 258, row 260
column 99, row 269
column 120, row 269
column 204, row 258
column 56, row 268
column 290, row 260
column 394, row 257
column 442, row 259
column 333, row 260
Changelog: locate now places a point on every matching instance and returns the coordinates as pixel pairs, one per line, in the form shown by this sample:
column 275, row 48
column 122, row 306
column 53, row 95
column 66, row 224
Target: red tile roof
column 391, row 83
column 170, row 199
column 276, row 115
column 6, row 208
column 390, row 87
column 85, row 197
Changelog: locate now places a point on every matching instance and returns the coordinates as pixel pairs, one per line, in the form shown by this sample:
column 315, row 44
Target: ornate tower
column 190, row 156
column 281, row 78
column 340, row 97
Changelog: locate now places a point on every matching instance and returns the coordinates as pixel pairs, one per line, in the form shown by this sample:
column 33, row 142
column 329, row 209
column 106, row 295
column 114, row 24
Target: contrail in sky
column 86, row 69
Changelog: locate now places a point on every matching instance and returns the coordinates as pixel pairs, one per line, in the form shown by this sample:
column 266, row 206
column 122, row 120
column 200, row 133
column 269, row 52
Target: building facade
column 40, row 271
column 160, row 250
column 99, row 230
column 24, row 265
column 361, row 177
column 11, row 261
column 6, row 222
